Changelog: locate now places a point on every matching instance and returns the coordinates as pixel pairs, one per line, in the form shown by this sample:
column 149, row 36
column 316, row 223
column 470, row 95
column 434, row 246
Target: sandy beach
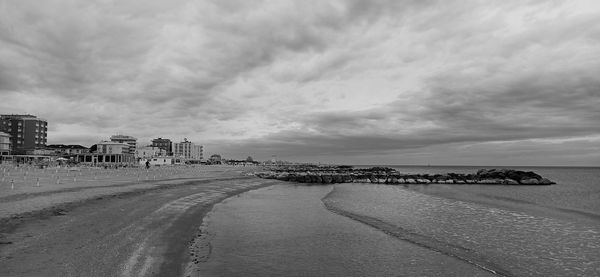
column 108, row 222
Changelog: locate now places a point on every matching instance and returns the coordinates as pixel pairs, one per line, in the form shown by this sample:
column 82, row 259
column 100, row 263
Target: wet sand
column 113, row 230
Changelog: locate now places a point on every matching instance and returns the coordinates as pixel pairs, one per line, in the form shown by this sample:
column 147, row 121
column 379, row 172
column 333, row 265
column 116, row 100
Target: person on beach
column 147, row 164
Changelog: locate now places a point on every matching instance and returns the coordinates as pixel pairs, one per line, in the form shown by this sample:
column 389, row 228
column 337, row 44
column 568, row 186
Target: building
column 131, row 141
column 147, row 152
column 164, row 144
column 188, row 150
column 215, row 159
column 158, row 161
column 72, row 149
column 107, row 153
column 5, row 147
column 27, row 132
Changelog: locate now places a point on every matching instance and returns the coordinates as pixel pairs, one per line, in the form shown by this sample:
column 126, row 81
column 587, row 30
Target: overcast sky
column 353, row 82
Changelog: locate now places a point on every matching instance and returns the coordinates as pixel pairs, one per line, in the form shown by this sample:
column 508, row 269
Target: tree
column 249, row 159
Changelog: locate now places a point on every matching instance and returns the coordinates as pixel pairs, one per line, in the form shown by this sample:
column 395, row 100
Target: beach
column 183, row 221
column 106, row 222
column 410, row 230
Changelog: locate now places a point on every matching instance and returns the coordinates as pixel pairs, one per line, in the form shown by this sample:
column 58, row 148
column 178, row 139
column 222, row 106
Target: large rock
column 510, row 182
column 529, row 182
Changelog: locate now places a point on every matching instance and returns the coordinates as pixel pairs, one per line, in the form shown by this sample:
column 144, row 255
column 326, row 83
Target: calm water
column 435, row 230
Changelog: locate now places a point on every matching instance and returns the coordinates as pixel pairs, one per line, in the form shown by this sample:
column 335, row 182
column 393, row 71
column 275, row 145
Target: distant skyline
column 350, row 82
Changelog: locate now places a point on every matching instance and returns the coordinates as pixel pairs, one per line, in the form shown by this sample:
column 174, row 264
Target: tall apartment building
column 5, row 147
column 188, row 150
column 131, row 141
column 27, row 132
column 164, row 144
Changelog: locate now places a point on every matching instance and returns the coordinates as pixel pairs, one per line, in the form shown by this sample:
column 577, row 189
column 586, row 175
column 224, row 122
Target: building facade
column 5, row 146
column 147, row 152
column 107, row 153
column 111, row 147
column 27, row 132
column 188, row 150
column 73, row 149
column 131, row 141
column 164, row 144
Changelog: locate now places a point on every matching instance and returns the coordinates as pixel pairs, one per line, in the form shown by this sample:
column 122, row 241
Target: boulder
column 282, row 177
column 530, row 182
column 510, row 182
column 545, row 181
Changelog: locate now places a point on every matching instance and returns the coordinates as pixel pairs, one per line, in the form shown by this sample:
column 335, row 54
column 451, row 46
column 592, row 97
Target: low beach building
column 72, row 149
column 147, row 152
column 162, row 161
column 107, row 153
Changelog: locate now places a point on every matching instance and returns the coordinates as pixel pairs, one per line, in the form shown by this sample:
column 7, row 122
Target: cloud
column 307, row 79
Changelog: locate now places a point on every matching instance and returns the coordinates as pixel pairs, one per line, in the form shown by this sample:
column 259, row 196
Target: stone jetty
column 318, row 174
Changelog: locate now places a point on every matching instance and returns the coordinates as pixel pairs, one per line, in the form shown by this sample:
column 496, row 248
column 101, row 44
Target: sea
column 411, row 230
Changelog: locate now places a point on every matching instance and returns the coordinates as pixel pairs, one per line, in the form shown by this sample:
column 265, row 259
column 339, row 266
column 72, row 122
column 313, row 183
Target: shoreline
column 186, row 231
column 147, row 228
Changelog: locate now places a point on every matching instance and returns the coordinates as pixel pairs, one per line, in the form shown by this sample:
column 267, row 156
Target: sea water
column 435, row 230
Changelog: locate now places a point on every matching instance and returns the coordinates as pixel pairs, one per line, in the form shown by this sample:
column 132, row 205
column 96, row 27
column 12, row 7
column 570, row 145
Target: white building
column 188, row 150
column 110, row 147
column 147, row 152
column 110, row 152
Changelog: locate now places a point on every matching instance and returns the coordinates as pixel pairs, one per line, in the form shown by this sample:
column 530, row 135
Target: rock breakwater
column 314, row 174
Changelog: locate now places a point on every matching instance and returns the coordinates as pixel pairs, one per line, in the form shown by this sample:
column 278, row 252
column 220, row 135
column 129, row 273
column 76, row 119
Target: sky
column 350, row 82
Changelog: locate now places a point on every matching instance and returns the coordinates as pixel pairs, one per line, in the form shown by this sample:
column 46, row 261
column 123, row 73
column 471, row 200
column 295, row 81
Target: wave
column 456, row 251
column 503, row 241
